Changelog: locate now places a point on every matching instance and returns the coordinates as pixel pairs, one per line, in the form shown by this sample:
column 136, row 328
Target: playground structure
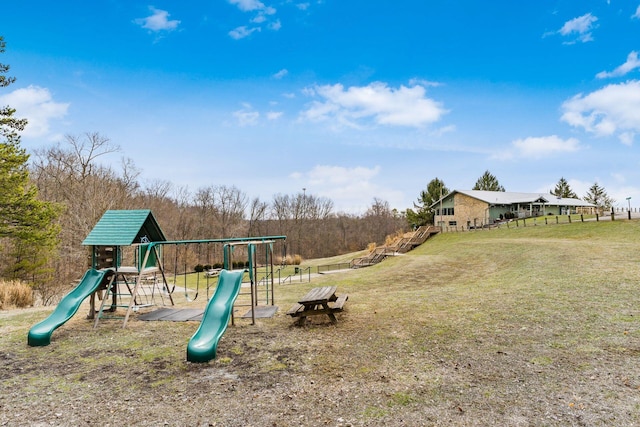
column 122, row 234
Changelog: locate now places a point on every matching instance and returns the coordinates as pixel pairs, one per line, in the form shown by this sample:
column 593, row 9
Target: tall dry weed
column 289, row 260
column 15, row 294
column 391, row 239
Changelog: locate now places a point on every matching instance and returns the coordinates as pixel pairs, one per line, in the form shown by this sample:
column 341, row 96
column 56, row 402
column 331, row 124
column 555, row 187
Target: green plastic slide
column 40, row 333
column 203, row 344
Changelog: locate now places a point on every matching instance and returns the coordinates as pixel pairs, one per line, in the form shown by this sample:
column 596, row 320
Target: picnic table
column 318, row 301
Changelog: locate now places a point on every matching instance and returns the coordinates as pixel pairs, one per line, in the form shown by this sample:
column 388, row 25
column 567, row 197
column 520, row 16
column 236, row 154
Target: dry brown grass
column 535, row 326
column 15, row 294
column 393, row 238
column 289, row 260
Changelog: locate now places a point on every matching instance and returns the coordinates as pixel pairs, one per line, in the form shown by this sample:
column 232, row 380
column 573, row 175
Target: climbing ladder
column 131, row 291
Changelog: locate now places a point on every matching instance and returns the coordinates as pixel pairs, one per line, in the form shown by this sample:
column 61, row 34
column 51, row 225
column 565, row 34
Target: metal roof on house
column 509, row 198
column 124, row 228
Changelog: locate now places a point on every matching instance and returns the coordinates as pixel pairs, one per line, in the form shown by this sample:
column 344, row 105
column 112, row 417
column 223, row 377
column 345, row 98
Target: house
column 476, row 208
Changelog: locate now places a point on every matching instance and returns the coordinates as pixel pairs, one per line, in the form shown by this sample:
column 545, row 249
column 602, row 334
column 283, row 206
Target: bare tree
column 231, row 204
column 72, row 176
column 158, row 189
column 257, row 216
column 379, row 220
column 205, row 206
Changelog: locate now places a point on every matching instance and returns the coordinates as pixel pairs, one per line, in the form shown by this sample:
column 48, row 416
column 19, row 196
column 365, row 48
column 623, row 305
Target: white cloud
column 303, row 6
column 351, row 189
column 637, row 14
column 259, row 19
column 424, row 83
column 36, row 105
column 280, row 74
column 246, row 116
column 443, row 130
column 627, row 138
column 158, row 21
column 263, row 16
column 545, row 146
column 579, row 27
column 242, row 32
column 612, row 110
column 405, row 106
column 274, row 115
column 631, row 64
column 275, row 25
column 248, row 5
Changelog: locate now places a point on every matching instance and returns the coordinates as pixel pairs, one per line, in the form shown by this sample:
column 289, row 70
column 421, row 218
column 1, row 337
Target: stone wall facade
column 467, row 212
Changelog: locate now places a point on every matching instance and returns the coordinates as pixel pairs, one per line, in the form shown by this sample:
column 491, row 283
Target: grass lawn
column 519, row 326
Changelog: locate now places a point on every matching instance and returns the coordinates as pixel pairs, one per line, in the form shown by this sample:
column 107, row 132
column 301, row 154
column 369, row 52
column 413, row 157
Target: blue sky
column 350, row 100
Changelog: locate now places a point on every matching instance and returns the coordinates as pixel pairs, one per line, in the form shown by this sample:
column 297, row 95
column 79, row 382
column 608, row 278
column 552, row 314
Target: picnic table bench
column 318, row 301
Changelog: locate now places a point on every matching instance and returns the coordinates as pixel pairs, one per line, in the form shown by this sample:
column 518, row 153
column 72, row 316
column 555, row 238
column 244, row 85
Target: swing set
column 249, row 248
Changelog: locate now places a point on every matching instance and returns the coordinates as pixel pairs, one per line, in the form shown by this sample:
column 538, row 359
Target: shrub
column 240, row 264
column 289, row 260
column 198, row 268
column 393, row 238
column 15, row 294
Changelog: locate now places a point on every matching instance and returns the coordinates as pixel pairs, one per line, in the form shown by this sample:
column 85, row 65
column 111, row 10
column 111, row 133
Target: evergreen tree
column 28, row 232
column 488, row 182
column 563, row 189
column 599, row 197
column 424, row 213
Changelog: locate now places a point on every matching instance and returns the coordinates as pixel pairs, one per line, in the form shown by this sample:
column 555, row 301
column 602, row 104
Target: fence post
column 597, row 217
column 569, row 216
column 556, row 219
column 581, row 218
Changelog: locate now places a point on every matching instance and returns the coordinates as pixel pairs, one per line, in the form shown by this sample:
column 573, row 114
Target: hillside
column 521, row 326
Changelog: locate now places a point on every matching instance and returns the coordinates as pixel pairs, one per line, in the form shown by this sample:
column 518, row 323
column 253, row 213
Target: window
column 445, row 211
column 453, row 223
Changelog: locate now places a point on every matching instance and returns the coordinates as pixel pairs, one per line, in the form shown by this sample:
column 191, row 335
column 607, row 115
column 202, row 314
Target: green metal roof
column 124, row 228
